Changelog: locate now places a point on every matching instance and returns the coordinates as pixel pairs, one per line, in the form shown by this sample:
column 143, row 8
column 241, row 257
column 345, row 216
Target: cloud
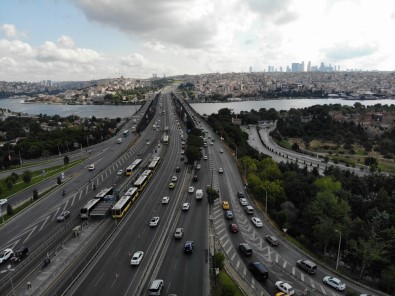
column 9, row 30
column 14, row 48
column 344, row 51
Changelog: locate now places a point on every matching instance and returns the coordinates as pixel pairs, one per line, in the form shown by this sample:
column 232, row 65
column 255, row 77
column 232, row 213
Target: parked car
column 271, row 240
column 154, row 221
column 63, row 216
column 285, row 287
column 137, row 257
column 5, row 255
column 334, row 283
column 19, row 255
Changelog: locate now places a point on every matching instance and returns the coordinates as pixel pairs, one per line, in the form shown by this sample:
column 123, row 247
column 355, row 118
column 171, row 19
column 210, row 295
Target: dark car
column 240, row 194
column 233, row 228
column 188, row 247
column 63, row 216
column 19, row 255
column 195, row 178
column 271, row 240
column 245, row 249
column 178, row 169
column 229, row 215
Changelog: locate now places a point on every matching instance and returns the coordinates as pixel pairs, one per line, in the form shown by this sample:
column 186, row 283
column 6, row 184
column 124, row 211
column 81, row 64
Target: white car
column 137, row 257
column 91, row 167
column 285, row 287
column 221, row 150
column 165, row 199
column 191, row 189
column 334, row 283
column 221, row 170
column 243, row 202
column 198, row 167
column 120, row 172
column 174, row 179
column 5, row 255
column 3, row 201
column 154, row 221
column 179, row 233
column 205, row 157
column 257, row 222
column 185, row 206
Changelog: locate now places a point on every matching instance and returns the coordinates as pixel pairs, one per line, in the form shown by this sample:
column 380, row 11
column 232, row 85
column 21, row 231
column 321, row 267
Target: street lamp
column 338, row 251
column 9, row 270
column 265, row 201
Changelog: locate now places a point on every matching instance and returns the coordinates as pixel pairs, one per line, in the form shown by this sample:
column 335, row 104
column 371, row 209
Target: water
column 101, row 111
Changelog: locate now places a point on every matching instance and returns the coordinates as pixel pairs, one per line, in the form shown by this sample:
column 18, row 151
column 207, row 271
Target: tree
column 295, row 147
column 66, row 160
column 27, row 176
column 35, row 194
column 10, row 210
column 193, row 154
column 59, row 180
column 218, row 260
column 212, row 195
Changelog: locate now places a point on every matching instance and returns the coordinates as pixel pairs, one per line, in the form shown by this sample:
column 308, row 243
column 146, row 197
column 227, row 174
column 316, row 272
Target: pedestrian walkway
column 42, row 277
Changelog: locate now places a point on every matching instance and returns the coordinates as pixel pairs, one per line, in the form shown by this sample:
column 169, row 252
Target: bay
column 112, row 111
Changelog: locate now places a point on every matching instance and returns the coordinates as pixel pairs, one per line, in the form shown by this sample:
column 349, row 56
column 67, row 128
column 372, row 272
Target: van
column 156, row 287
column 199, row 194
column 307, row 265
column 258, row 270
column 249, row 210
column 245, row 249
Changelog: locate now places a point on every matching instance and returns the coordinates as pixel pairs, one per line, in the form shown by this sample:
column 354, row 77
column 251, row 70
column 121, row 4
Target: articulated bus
column 133, row 192
column 141, row 182
column 166, row 139
column 154, row 163
column 104, row 192
column 148, row 173
column 124, row 204
column 125, row 133
column 132, row 167
column 87, row 209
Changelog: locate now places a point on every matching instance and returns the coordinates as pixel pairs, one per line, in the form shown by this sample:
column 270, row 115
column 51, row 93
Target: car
column 233, row 228
column 229, row 215
column 174, row 179
column 19, row 255
column 284, row 287
column 221, row 170
column 3, row 201
column 156, row 287
column 178, row 169
column 249, row 210
column 205, row 157
column 282, row 294
column 63, row 216
column 221, row 151
column 245, row 249
column 211, row 144
column 257, row 222
column 91, row 167
column 154, row 221
column 271, row 240
column 191, row 189
column 137, row 257
column 172, row 185
column 185, row 206
column 165, row 199
column 243, row 201
column 195, row 178
column 225, row 205
column 334, row 283
column 5, row 255
column 240, row 194
column 120, row 172
column 182, row 158
column 179, row 233
column 189, row 246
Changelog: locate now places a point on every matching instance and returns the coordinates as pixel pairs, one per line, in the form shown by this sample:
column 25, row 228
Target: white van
column 156, row 287
column 199, row 194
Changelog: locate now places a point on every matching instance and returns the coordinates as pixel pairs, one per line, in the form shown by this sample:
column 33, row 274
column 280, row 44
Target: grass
column 224, row 280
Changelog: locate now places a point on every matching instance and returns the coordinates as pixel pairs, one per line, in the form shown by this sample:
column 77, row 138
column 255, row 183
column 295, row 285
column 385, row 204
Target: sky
column 62, row 40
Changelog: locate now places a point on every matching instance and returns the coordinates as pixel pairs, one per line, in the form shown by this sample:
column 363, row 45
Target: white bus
column 87, row 209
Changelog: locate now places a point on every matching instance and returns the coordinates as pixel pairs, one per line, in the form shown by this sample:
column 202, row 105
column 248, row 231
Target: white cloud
column 9, row 30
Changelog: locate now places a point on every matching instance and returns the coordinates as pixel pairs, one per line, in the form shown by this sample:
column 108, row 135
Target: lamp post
column 9, row 270
column 265, row 201
column 338, row 251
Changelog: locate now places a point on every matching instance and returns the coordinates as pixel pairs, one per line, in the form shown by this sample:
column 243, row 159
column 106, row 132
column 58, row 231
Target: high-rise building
column 301, row 69
column 309, row 66
column 250, row 69
column 295, row 67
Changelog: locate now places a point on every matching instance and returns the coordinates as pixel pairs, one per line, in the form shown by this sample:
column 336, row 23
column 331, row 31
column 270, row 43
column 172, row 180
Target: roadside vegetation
column 315, row 209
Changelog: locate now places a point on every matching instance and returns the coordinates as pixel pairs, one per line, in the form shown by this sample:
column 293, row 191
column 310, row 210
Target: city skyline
column 85, row 40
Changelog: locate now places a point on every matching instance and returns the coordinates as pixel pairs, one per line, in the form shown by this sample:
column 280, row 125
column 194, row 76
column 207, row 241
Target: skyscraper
column 309, row 66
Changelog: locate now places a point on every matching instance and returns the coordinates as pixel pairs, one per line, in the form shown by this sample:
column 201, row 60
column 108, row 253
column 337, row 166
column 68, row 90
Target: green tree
column 328, row 184
column 10, row 210
column 387, row 279
column 27, row 176
column 35, row 194
column 66, row 160
column 193, row 154
column 218, row 260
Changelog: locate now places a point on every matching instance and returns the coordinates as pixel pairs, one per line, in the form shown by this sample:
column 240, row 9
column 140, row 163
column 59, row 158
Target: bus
column 133, row 192
column 87, row 209
column 154, row 163
column 141, row 182
column 148, row 173
column 126, row 133
column 166, row 139
column 104, row 192
column 133, row 166
column 122, row 206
